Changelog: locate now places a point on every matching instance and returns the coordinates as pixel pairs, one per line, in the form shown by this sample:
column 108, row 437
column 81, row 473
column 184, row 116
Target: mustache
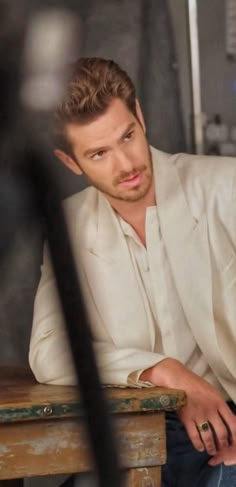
column 123, row 175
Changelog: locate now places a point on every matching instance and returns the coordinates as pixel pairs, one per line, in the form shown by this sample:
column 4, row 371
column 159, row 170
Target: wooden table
column 42, row 430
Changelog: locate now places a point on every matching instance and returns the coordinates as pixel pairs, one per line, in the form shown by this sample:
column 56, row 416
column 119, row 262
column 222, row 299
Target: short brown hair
column 94, row 82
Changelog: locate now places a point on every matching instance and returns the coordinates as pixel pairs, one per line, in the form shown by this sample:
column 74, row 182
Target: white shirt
column 173, row 336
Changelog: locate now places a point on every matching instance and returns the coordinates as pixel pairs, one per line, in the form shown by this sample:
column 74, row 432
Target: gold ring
column 204, row 426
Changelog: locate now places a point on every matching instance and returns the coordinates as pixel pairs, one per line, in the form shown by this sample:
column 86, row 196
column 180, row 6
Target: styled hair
column 93, row 83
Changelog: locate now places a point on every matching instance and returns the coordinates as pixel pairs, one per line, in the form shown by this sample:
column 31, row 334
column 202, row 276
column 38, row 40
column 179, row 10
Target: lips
column 132, row 181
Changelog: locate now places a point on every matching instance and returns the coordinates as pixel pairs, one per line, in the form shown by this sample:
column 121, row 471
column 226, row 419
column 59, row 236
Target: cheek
column 141, row 141
column 102, row 175
column 140, row 150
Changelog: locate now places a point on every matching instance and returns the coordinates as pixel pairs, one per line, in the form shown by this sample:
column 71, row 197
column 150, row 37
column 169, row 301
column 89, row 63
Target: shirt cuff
column 134, row 381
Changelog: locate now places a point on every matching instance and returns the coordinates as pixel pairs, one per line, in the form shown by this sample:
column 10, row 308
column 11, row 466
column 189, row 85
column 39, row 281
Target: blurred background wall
column 216, row 34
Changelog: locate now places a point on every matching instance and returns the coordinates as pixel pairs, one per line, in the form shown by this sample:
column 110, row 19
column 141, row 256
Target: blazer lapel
column 187, row 247
column 115, row 289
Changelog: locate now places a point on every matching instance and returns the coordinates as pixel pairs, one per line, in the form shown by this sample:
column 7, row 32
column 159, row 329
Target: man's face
column 113, row 154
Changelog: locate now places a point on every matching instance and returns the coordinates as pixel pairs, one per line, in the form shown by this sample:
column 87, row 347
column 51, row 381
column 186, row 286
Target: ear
column 67, row 161
column 140, row 115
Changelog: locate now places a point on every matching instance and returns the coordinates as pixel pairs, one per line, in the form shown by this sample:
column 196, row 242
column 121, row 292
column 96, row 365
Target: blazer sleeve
column 227, row 213
column 49, row 352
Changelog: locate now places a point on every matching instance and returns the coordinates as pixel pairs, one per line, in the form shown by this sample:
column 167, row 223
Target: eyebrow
column 93, row 150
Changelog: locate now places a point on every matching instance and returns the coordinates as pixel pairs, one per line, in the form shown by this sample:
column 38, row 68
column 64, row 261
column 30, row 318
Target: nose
column 123, row 162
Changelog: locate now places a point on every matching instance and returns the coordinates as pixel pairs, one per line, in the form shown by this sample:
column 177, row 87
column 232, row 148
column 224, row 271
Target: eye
column 129, row 135
column 98, row 155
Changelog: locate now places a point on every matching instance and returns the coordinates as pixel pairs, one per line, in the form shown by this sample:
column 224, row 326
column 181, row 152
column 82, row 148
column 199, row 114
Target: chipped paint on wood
column 117, row 405
column 144, row 477
column 42, row 429
column 3, row 449
column 38, row 411
column 29, row 401
column 56, row 446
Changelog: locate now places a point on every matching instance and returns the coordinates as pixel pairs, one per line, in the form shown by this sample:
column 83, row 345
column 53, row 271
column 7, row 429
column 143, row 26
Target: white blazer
column 196, row 201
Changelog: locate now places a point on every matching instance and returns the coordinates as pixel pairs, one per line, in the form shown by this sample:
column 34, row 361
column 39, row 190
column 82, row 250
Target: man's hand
column 204, row 405
column 226, row 456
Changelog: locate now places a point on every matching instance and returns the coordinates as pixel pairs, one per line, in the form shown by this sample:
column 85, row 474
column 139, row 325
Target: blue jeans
column 186, row 467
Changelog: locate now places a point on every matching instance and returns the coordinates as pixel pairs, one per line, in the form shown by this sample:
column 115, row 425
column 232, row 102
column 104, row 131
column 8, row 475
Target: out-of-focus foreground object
column 39, row 43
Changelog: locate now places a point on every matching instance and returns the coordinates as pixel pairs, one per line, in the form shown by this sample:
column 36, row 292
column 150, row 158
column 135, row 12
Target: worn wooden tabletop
column 42, row 428
column 22, row 398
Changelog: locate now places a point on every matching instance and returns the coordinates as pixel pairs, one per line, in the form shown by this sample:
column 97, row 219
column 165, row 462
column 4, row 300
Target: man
column 155, row 238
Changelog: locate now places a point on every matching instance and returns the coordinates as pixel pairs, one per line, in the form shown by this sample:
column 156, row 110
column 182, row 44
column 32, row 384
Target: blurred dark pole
column 35, row 45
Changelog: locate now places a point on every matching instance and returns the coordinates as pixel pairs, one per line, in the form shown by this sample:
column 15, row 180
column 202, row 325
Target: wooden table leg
column 144, row 477
column 12, row 483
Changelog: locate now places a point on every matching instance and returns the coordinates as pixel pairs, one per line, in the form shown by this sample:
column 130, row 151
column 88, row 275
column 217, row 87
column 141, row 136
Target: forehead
column 103, row 130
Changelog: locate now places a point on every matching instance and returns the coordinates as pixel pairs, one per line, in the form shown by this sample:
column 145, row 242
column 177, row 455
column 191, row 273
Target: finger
column 230, row 421
column 230, row 461
column 220, row 432
column 216, row 460
column 231, row 432
column 233, row 438
column 228, row 457
column 207, row 438
column 194, row 436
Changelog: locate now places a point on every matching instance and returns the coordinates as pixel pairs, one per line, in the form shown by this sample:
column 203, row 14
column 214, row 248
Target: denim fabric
column 186, row 467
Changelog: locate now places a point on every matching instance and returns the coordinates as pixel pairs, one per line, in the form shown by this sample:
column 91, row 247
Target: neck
column 134, row 212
